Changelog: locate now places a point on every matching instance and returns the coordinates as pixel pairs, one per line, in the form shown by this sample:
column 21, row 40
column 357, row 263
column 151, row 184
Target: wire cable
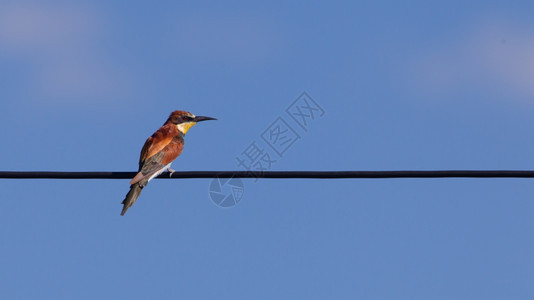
column 277, row 174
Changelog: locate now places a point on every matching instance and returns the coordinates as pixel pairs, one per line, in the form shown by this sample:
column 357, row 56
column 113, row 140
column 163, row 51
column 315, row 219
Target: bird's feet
column 171, row 171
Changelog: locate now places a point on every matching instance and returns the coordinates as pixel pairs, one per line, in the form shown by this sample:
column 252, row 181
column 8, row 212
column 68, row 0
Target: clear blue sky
column 403, row 85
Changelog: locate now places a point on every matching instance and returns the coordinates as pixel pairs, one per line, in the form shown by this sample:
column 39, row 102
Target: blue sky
column 411, row 85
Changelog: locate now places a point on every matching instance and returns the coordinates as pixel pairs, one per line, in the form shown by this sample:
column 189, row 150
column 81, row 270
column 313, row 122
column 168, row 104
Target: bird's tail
column 133, row 194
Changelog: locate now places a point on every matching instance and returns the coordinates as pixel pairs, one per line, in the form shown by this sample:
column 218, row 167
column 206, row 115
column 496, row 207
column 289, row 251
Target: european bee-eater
column 159, row 151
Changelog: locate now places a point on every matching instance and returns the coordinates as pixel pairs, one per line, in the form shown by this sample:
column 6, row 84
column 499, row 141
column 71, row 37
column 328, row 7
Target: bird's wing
column 155, row 144
column 158, row 161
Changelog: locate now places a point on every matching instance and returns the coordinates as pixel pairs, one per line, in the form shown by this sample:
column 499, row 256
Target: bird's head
column 185, row 120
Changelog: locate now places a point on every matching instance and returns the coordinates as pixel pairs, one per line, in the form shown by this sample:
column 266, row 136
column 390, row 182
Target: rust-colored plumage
column 159, row 151
column 168, row 142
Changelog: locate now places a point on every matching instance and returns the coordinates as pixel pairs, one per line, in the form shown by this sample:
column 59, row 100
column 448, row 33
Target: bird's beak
column 201, row 118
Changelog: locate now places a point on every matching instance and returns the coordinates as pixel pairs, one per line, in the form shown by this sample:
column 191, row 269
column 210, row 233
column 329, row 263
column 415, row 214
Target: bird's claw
column 171, row 171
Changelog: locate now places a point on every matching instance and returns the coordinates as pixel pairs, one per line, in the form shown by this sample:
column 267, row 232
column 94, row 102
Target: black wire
column 277, row 174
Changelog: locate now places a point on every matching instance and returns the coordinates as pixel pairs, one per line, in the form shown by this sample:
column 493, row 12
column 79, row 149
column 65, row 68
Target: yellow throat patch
column 184, row 127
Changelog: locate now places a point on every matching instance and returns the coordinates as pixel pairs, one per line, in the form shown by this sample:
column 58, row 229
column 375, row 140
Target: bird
column 159, row 151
